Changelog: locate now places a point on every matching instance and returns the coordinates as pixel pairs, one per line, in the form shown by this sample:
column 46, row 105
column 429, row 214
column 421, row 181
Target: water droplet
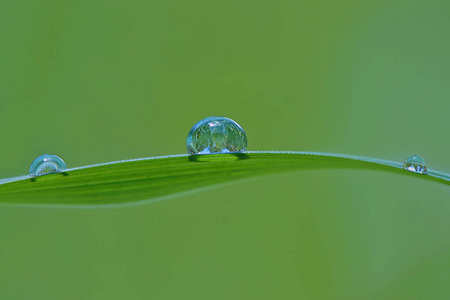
column 415, row 164
column 47, row 164
column 216, row 135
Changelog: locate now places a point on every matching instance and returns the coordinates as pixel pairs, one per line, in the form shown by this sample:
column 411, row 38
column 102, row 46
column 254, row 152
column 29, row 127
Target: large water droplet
column 216, row 135
column 47, row 164
column 415, row 164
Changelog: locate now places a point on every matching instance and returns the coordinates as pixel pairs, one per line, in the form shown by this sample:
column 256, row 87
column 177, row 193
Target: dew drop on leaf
column 216, row 135
column 415, row 164
column 47, row 164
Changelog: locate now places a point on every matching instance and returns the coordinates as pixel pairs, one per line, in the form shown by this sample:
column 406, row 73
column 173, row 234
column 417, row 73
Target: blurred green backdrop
column 97, row 81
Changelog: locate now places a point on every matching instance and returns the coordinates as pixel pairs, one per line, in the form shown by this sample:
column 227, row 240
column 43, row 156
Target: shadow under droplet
column 34, row 179
column 218, row 157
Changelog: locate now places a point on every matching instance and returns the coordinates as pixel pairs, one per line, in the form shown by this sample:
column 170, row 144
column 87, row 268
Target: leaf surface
column 158, row 178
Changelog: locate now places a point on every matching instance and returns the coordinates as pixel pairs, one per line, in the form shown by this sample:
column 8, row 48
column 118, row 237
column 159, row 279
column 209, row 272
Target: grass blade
column 156, row 178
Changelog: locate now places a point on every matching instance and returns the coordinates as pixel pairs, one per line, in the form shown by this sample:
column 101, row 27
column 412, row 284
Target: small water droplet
column 415, row 164
column 216, row 135
column 47, row 164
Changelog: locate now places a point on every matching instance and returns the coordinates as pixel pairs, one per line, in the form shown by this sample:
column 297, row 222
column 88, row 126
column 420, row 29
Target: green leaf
column 157, row 178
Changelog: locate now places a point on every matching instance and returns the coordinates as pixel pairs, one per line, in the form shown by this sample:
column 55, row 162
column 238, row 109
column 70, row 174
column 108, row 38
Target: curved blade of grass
column 156, row 178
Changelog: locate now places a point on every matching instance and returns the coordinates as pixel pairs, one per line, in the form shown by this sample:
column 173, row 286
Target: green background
column 98, row 81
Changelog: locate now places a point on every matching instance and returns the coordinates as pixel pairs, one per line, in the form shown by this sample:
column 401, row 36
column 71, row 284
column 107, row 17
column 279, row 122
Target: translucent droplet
column 47, row 164
column 216, row 135
column 415, row 164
